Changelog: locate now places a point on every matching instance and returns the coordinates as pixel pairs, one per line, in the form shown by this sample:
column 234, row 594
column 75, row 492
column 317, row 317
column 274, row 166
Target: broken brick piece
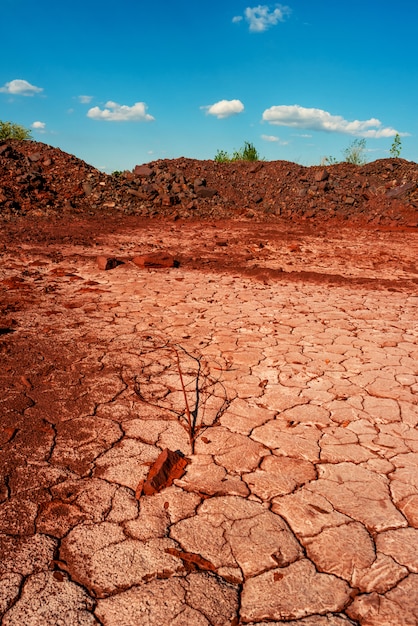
column 156, row 260
column 106, row 263
column 194, row 560
column 168, row 466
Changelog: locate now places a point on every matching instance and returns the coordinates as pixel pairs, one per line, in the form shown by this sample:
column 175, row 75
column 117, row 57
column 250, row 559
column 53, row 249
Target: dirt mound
column 39, row 180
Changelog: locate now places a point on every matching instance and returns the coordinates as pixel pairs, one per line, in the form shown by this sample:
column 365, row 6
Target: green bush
column 222, row 157
column 8, row 130
column 247, row 153
column 396, row 147
column 355, row 152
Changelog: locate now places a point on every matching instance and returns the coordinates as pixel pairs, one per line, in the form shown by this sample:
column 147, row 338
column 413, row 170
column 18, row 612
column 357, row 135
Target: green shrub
column 222, row 157
column 396, row 147
column 8, row 130
column 247, row 153
column 329, row 160
column 355, row 152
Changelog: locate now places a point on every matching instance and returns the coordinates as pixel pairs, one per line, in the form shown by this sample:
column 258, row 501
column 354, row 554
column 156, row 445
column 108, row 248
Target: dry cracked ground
column 282, row 363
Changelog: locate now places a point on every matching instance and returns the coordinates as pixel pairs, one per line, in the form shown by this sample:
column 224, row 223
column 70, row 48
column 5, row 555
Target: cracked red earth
column 281, row 366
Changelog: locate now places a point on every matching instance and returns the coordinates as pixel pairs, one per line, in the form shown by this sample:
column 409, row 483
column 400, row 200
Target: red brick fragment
column 321, row 175
column 191, row 559
column 142, row 171
column 168, row 466
column 156, row 260
column 107, row 263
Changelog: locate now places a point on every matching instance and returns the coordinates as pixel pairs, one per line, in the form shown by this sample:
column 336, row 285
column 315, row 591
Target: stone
column 205, row 192
column 156, row 260
column 321, row 175
column 166, row 468
column 107, row 263
column 142, row 171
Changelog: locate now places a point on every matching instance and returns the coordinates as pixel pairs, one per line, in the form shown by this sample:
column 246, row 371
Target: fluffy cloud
column 85, row 99
column 38, row 125
column 296, row 116
column 271, row 138
column 19, row 87
column 114, row 112
column 224, row 108
column 274, row 139
column 261, row 17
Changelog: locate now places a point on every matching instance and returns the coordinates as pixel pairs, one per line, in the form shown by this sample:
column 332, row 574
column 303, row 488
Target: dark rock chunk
column 321, row 175
column 143, row 171
column 205, row 192
column 106, row 263
column 168, row 466
column 156, row 260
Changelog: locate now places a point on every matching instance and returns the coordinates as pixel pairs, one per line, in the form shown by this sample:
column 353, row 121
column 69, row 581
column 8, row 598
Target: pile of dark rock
column 37, row 179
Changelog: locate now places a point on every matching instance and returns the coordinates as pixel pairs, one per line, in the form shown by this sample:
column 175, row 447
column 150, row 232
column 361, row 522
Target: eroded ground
column 295, row 351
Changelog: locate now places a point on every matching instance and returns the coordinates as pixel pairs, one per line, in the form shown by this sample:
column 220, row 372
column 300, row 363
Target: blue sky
column 123, row 83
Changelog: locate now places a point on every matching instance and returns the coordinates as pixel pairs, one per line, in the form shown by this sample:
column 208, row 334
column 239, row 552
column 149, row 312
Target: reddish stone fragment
column 205, row 192
column 106, row 263
column 192, row 560
column 321, row 175
column 168, row 466
column 156, row 260
column 142, row 170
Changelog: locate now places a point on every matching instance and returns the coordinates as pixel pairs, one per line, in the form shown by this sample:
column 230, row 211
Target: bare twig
column 162, row 364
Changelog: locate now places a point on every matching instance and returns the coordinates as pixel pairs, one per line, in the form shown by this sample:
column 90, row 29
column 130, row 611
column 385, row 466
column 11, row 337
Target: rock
column 107, row 263
column 401, row 190
column 168, row 466
column 142, row 171
column 87, row 188
column 36, row 156
column 205, row 192
column 321, row 175
column 156, row 260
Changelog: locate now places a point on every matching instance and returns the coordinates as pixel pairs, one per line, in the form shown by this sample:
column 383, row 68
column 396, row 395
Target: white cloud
column 114, row 112
column 85, row 99
column 296, row 116
column 38, row 125
column 19, row 87
column 271, row 138
column 262, row 17
column 224, row 108
column 237, row 18
column 274, row 139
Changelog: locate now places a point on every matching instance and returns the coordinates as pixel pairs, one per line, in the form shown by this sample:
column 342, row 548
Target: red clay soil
column 245, row 238
column 37, row 180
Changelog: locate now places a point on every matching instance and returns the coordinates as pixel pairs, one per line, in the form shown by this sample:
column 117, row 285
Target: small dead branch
column 173, row 379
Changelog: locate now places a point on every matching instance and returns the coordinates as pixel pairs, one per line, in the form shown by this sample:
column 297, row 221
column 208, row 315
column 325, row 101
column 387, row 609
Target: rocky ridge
column 40, row 180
